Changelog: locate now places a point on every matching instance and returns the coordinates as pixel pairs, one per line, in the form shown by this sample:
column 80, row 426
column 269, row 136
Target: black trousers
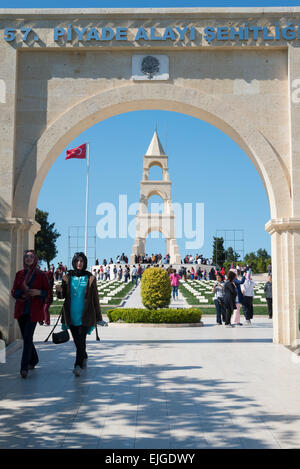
column 270, row 307
column 248, row 307
column 220, row 311
column 79, row 334
column 29, row 355
column 228, row 312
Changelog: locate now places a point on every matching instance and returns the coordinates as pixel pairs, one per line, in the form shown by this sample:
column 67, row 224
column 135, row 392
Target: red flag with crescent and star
column 78, row 152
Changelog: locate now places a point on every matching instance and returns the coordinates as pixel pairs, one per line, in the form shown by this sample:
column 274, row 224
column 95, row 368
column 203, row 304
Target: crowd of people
column 57, row 272
column 119, row 272
column 153, row 259
column 33, row 292
column 236, row 290
column 120, row 259
column 157, row 259
column 198, row 259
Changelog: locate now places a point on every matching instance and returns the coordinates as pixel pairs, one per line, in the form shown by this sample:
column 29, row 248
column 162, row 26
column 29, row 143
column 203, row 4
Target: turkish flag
column 78, row 152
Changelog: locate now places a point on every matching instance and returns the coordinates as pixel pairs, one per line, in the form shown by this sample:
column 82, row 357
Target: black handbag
column 63, row 336
column 59, row 337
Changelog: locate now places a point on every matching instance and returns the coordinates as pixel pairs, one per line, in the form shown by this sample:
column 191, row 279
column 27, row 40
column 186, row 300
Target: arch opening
column 155, row 172
column 148, row 97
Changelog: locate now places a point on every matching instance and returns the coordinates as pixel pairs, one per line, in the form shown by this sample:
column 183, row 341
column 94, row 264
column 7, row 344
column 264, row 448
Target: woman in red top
column 30, row 290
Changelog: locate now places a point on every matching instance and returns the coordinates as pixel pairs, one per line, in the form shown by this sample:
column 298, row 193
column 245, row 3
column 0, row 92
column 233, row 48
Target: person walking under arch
column 229, row 297
column 30, row 289
column 248, row 288
column 81, row 307
column 212, row 275
column 268, row 292
column 218, row 291
column 126, row 273
column 239, row 301
column 140, row 272
column 134, row 275
column 49, row 298
column 174, row 278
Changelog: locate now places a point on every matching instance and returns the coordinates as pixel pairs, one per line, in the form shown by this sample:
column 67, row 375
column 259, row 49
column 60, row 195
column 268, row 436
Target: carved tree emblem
column 150, row 66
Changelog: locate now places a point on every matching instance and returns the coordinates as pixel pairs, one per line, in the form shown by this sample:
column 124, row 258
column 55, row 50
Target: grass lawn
column 56, row 306
column 55, row 310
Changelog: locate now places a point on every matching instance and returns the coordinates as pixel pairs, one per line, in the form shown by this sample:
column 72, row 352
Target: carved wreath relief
column 150, row 66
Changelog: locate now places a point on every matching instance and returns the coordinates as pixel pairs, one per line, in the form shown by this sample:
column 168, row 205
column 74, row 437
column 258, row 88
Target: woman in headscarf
column 30, row 289
column 81, row 306
column 229, row 297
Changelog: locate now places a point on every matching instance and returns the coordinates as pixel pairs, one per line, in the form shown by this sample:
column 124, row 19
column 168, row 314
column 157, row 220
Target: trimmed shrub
column 168, row 315
column 156, row 288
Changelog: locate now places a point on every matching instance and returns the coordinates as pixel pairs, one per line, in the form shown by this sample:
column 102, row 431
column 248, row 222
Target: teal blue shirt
column 78, row 287
column 77, row 291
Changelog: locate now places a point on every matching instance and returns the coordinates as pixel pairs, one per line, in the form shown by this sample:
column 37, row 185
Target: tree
column 231, row 255
column 262, row 253
column 218, row 251
column 250, row 258
column 259, row 260
column 45, row 239
column 261, row 265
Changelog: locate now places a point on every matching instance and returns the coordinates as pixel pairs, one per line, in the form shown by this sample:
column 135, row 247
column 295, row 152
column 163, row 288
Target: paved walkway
column 135, row 300
column 146, row 387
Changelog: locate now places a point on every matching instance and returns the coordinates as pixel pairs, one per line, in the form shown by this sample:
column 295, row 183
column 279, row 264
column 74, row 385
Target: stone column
column 285, row 232
column 294, row 98
column 16, row 235
column 168, row 246
column 137, row 249
column 166, row 176
column 8, row 236
column 8, row 79
column 175, row 257
column 285, row 240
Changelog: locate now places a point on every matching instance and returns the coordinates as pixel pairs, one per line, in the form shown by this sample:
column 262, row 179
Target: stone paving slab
column 208, row 387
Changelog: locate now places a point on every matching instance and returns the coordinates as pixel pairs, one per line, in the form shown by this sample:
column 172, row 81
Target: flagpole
column 87, row 200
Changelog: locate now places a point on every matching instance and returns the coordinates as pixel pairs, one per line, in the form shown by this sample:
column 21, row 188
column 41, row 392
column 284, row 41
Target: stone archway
column 270, row 167
column 54, row 139
column 55, row 84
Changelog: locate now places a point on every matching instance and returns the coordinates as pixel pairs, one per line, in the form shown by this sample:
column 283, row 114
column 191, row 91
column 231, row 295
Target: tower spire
column 155, row 148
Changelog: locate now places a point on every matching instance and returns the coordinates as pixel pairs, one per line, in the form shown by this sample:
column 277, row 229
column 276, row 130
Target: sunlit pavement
column 145, row 387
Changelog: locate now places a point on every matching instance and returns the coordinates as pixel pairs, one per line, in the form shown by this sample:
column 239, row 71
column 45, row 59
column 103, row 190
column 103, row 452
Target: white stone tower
column 163, row 222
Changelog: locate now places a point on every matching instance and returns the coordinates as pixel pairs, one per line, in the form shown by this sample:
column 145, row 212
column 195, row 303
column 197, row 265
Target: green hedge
column 167, row 315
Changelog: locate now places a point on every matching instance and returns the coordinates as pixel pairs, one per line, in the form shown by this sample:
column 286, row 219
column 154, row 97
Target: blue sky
column 205, row 165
